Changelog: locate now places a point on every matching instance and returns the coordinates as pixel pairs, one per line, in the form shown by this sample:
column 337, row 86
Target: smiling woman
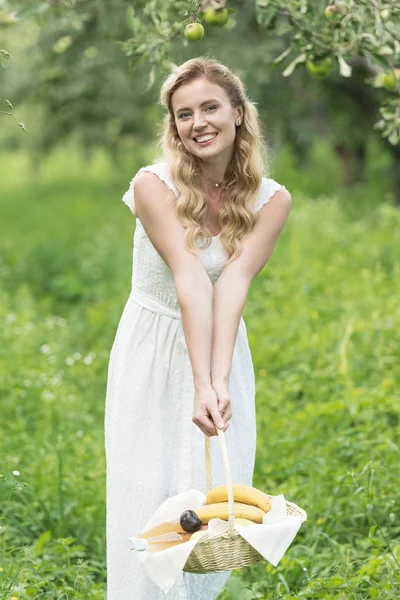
column 208, row 124
column 180, row 366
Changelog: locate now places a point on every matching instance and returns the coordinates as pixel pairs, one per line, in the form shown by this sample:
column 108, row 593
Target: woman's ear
column 239, row 114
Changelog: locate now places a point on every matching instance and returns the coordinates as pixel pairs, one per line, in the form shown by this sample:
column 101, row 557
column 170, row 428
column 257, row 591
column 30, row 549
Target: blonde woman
column 207, row 220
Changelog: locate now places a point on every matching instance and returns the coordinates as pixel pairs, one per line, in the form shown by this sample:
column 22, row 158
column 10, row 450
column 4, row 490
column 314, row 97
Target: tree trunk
column 353, row 159
column 396, row 175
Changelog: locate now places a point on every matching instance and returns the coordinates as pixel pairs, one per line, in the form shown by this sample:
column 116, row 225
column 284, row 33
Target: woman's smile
column 205, row 140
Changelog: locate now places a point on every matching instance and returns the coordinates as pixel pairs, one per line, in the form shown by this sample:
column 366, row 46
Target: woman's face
column 201, row 108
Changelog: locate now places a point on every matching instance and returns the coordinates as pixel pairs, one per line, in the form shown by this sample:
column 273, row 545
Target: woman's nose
column 199, row 123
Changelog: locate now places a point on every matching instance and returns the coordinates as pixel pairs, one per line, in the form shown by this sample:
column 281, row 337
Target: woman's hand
column 221, row 388
column 206, row 414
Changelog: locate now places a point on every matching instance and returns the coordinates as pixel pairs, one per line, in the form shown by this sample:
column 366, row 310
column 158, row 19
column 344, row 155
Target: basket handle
column 231, row 516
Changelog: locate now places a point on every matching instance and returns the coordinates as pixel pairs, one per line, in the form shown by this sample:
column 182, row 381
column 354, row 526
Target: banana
column 241, row 493
column 220, row 510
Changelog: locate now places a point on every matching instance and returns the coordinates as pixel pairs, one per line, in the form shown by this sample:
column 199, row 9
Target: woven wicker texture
column 228, row 550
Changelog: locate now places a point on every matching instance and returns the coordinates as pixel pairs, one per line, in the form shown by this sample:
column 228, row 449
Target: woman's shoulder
column 267, row 189
column 159, row 168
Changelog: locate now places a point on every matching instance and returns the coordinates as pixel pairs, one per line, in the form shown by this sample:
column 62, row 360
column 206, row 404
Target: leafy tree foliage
column 345, row 35
column 313, row 69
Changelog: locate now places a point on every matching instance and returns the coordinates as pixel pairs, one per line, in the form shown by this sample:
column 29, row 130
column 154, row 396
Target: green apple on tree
column 319, row 68
column 391, row 79
column 194, row 32
column 336, row 10
column 330, row 11
column 216, row 17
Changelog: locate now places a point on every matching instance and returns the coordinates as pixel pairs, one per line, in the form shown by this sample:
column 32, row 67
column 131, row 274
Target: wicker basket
column 228, row 550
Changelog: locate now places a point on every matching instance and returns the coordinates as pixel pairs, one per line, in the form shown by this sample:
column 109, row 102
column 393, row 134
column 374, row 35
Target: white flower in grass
column 11, row 318
column 69, row 361
column 16, row 473
column 77, row 356
column 47, row 395
column 45, row 349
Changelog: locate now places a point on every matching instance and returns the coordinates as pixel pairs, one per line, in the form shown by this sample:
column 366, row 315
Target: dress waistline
column 152, row 303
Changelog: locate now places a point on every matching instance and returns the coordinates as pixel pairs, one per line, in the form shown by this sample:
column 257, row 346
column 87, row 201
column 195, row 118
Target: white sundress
column 153, row 448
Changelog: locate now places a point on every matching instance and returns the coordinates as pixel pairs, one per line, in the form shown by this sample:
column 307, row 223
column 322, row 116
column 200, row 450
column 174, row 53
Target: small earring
column 238, row 122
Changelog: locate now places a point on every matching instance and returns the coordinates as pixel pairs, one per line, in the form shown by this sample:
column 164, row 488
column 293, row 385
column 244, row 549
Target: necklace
column 209, row 181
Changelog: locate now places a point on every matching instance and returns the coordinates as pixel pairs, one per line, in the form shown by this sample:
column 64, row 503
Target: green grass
column 323, row 321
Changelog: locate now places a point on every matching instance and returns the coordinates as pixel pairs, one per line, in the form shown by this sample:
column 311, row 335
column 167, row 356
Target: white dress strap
column 161, row 170
column 267, row 190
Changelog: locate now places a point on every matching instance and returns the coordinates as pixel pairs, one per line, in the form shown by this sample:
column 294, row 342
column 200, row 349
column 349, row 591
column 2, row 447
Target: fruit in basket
column 159, row 546
column 189, row 521
column 199, row 533
column 161, row 529
column 220, row 510
column 241, row 493
column 244, row 522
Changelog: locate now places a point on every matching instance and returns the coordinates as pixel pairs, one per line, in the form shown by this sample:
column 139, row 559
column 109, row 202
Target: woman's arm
column 195, row 293
column 230, row 291
column 154, row 207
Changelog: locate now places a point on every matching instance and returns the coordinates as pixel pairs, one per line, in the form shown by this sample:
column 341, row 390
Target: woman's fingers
column 207, row 426
column 224, row 402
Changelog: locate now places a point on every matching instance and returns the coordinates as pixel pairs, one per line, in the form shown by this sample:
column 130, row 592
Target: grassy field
column 323, row 320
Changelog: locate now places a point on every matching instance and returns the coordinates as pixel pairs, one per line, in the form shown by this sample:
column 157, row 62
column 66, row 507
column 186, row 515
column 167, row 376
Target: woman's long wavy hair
column 243, row 176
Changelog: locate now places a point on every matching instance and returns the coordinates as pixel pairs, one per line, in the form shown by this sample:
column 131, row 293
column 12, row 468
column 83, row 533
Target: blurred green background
column 323, row 317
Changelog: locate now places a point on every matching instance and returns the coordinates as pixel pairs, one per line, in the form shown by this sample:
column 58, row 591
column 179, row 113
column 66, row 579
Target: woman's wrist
column 220, row 378
column 202, row 383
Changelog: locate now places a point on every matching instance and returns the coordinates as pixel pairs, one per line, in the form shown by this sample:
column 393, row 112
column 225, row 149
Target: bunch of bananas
column 249, row 503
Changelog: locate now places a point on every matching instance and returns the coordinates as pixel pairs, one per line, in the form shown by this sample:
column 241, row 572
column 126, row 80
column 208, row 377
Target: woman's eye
column 212, row 106
column 182, row 115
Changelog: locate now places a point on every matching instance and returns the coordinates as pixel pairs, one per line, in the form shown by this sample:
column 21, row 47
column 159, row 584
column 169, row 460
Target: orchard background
column 79, row 104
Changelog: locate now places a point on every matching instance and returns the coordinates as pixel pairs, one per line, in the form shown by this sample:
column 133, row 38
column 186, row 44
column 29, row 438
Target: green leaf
column 394, row 138
column 344, row 68
column 266, row 15
column 385, row 50
column 62, row 44
column 299, row 59
column 152, row 77
column 237, row 590
column 31, row 11
column 42, row 540
column 282, row 56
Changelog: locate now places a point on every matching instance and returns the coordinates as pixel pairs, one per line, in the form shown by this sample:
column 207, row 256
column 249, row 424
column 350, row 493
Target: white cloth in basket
column 271, row 539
